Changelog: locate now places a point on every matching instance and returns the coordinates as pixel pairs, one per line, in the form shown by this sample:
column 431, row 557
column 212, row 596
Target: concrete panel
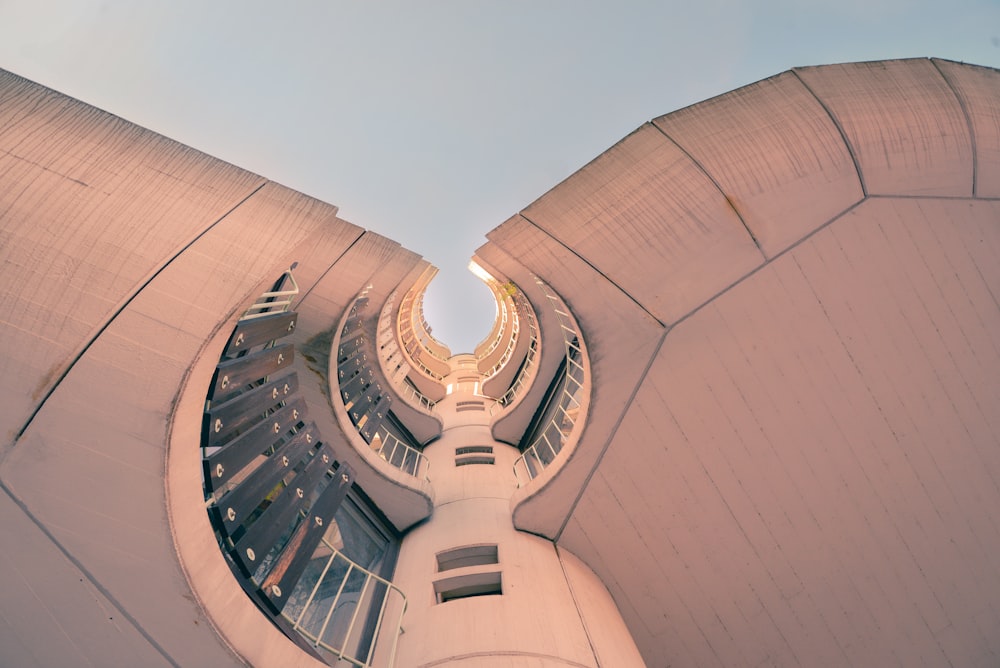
column 609, row 638
column 808, row 474
column 91, row 466
column 775, row 153
column 620, row 338
column 903, row 123
column 978, row 88
column 644, row 203
column 53, row 613
column 511, row 425
column 90, row 207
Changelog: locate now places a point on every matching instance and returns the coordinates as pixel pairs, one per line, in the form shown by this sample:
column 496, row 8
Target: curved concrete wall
column 788, row 295
column 124, row 257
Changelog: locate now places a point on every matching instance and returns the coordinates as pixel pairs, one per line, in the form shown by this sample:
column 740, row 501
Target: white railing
column 500, row 326
column 390, row 348
column 345, row 612
column 413, row 394
column 524, row 375
column 397, row 453
column 423, row 330
column 515, row 331
column 384, row 443
column 557, row 430
column 277, row 301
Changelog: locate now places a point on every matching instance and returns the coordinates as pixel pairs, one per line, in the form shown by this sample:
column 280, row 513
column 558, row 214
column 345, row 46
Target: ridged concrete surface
column 808, row 471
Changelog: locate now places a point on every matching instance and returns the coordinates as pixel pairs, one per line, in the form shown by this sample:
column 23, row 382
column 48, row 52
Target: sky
column 433, row 122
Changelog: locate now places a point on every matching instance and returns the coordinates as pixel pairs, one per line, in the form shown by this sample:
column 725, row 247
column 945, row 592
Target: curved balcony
column 279, row 496
column 344, row 610
column 423, row 352
column 526, row 371
column 493, row 358
column 365, row 401
column 565, row 401
column 394, row 363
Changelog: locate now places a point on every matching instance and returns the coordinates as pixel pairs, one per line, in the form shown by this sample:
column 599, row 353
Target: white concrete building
column 740, row 405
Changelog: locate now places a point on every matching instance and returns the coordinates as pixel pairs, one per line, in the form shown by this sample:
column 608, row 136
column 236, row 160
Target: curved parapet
column 393, row 363
column 364, row 400
column 425, row 354
column 558, row 423
column 127, row 259
column 523, row 354
column 788, row 424
column 787, row 296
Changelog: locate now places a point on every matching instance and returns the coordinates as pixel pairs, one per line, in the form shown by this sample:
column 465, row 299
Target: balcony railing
column 277, row 300
column 389, row 349
column 366, row 402
column 527, row 369
column 346, row 611
column 556, row 431
column 397, row 453
column 515, row 331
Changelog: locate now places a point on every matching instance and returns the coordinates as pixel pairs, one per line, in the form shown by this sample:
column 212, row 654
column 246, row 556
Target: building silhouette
column 739, row 405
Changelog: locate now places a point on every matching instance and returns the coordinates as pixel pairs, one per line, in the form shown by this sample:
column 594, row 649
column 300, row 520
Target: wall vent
column 469, row 449
column 470, row 406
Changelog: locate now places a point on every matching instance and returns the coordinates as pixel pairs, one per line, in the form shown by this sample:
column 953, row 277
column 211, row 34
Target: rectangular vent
column 467, row 586
column 474, row 459
column 470, row 406
column 470, row 555
column 469, row 449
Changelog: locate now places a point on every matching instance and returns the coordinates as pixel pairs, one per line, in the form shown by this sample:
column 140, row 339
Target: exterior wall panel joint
column 124, row 305
column 715, row 183
column 968, row 119
column 840, row 129
column 598, row 271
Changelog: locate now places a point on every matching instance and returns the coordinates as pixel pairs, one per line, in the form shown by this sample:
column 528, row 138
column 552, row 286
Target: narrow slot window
column 472, row 449
column 468, row 586
column 474, row 459
column 470, row 555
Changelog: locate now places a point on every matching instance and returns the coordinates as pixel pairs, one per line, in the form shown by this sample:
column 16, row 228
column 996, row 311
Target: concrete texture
column 806, row 473
column 788, row 296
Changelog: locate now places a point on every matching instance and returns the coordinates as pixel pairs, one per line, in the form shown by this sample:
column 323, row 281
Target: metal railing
column 557, row 430
column 524, row 375
column 276, row 301
column 399, row 454
column 391, row 348
column 423, row 330
column 408, row 391
column 382, row 440
column 499, row 325
column 515, row 331
column 345, row 612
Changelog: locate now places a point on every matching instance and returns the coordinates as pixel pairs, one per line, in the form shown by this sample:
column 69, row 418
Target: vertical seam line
column 128, row 301
column 718, row 187
column 576, row 604
column 90, row 576
column 614, row 431
column 591, row 265
column 968, row 119
column 840, row 129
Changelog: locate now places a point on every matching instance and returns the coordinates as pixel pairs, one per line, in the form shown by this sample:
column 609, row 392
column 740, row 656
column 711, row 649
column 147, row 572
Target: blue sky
column 433, row 122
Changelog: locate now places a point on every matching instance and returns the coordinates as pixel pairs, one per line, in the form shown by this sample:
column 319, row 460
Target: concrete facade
column 788, row 452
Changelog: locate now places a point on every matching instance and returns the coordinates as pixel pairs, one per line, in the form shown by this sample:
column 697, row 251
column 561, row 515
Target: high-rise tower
column 738, row 407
